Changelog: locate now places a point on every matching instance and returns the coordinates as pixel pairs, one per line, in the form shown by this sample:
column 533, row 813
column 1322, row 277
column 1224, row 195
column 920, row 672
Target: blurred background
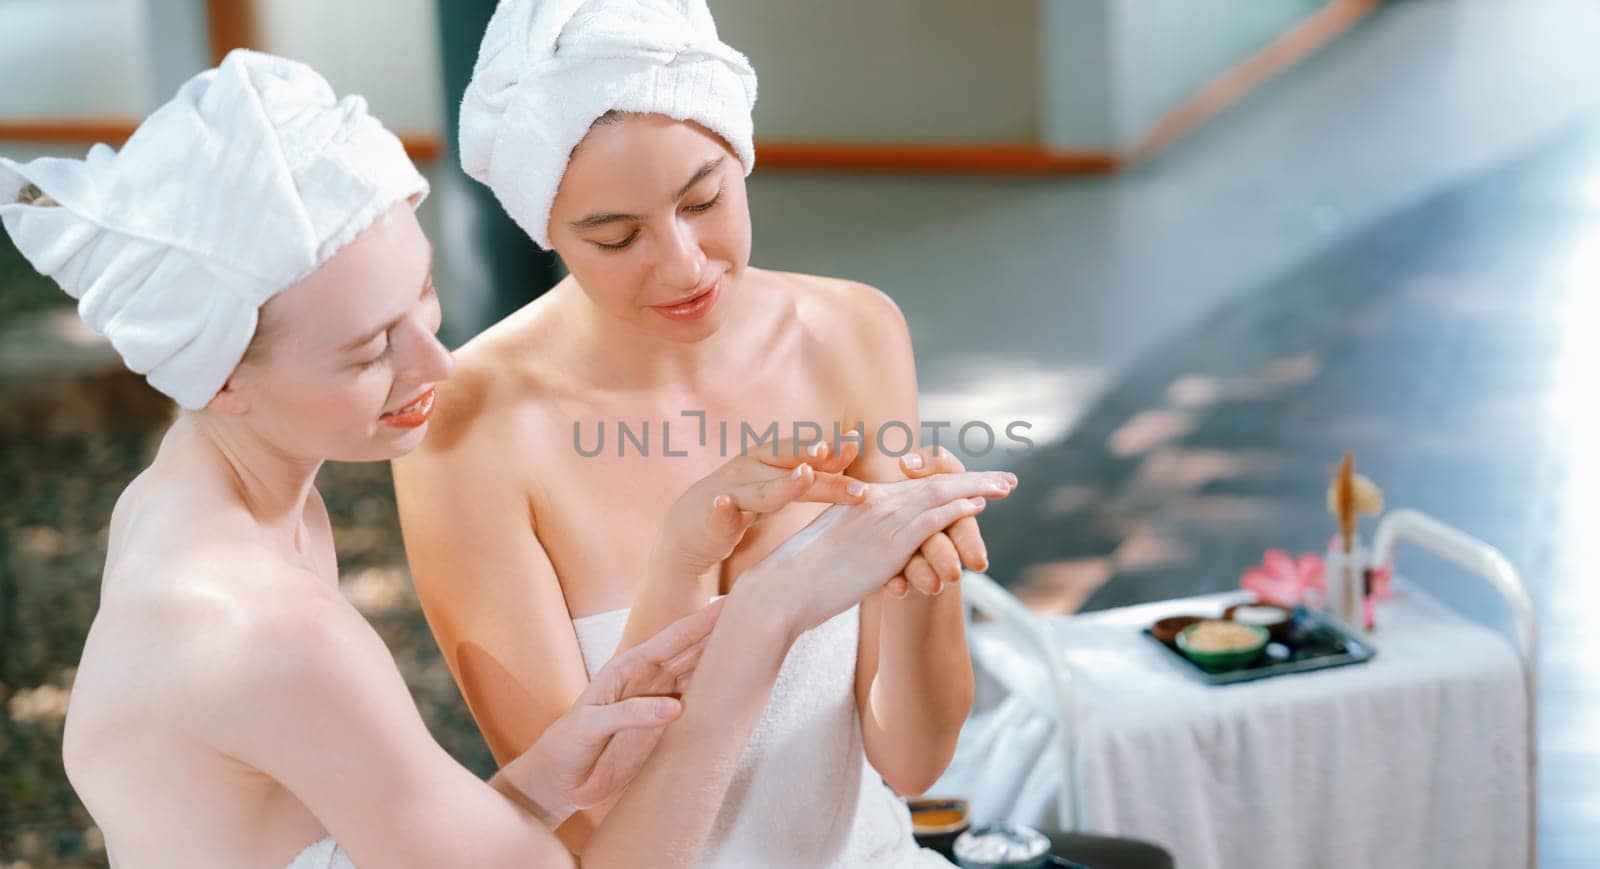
column 1201, row 247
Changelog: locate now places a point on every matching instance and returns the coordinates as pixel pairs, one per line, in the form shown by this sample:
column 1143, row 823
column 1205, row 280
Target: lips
column 692, row 307
column 413, row 414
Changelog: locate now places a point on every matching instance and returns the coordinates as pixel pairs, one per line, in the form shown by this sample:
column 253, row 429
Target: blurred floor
column 1028, row 298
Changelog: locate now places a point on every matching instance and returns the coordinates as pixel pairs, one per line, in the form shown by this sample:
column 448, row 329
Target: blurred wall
column 1074, row 74
column 1168, row 49
column 74, row 58
column 1112, row 68
column 385, row 50
column 890, row 70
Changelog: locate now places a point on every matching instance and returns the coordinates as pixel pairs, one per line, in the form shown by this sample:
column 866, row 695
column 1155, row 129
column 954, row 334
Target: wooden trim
column 230, row 24
column 85, row 131
column 934, row 158
column 422, row 147
column 1307, row 37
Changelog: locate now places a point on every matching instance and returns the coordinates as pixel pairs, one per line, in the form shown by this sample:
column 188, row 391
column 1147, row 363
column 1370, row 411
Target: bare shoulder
column 279, row 640
column 193, row 635
column 852, row 322
column 844, row 310
column 501, row 377
column 257, row 620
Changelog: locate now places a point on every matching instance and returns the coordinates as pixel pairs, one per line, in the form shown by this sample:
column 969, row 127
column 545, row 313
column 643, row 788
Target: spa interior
column 1293, row 304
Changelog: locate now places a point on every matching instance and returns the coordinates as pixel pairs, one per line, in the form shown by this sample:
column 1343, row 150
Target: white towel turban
column 548, row 68
column 249, row 179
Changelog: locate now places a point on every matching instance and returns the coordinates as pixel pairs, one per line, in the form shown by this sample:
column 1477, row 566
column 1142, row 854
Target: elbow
column 909, row 785
column 915, row 776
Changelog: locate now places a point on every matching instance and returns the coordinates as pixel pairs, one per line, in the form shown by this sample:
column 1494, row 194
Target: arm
column 489, row 593
column 913, row 673
column 313, row 700
column 309, row 695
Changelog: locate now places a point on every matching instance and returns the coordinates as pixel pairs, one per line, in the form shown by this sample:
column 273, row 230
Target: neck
column 271, row 483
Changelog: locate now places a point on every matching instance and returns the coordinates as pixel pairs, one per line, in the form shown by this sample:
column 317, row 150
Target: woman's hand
column 590, row 753
column 851, row 550
column 705, row 524
column 943, row 555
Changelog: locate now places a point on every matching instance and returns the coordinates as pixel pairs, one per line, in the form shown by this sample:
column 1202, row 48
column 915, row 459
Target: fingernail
column 856, row 488
column 997, row 487
column 977, row 502
column 666, row 708
column 913, row 461
column 718, row 501
column 818, row 449
column 1011, row 477
column 798, row 472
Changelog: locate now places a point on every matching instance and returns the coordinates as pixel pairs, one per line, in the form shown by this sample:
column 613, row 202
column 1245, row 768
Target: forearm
column 668, row 592
column 666, row 813
column 922, row 691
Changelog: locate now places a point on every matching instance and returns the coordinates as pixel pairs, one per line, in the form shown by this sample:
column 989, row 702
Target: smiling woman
column 636, row 178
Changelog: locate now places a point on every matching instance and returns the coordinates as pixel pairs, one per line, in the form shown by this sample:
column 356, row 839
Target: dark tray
column 1316, row 642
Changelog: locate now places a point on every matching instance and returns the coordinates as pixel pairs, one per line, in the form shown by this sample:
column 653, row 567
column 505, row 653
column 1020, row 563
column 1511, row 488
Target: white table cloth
column 1417, row 758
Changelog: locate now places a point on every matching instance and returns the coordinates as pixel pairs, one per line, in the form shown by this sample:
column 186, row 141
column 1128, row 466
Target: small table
column 1419, row 757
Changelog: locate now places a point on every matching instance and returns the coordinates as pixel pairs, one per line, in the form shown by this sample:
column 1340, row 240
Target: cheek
column 337, row 406
column 730, row 232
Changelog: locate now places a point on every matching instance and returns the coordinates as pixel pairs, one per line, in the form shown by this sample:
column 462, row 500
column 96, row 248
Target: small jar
column 1344, row 575
column 1002, row 846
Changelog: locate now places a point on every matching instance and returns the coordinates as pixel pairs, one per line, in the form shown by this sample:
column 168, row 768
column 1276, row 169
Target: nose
column 682, row 261
column 427, row 360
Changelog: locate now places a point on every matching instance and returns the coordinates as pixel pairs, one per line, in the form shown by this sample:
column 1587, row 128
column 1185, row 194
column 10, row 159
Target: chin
column 384, row 444
column 401, row 442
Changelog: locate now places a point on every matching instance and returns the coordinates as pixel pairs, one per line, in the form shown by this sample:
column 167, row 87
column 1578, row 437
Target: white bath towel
column 548, row 68
column 244, row 183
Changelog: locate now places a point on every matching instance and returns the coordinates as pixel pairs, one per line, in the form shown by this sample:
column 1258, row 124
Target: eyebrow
column 366, row 339
column 605, row 217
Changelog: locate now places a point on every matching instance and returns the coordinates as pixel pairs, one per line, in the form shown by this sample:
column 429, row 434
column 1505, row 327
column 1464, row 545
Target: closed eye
column 430, row 292
column 701, row 208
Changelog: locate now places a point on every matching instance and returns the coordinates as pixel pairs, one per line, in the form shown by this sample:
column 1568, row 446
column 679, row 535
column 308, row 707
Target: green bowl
column 1232, row 659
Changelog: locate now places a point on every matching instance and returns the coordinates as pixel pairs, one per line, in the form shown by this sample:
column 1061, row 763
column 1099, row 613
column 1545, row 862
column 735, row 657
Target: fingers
column 950, row 487
column 928, row 460
column 936, row 519
column 685, row 662
column 969, row 544
column 943, row 561
column 770, row 495
column 897, row 586
column 616, row 766
column 835, row 489
column 667, row 648
column 921, row 576
column 821, row 455
column 599, row 723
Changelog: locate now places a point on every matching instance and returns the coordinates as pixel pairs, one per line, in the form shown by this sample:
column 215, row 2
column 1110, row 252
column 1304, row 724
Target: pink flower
column 1282, row 580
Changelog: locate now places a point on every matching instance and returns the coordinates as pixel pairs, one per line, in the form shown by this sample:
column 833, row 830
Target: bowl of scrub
column 1276, row 619
column 1219, row 644
column 937, row 823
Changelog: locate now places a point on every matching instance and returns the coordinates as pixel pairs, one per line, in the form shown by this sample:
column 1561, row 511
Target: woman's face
column 652, row 221
column 349, row 357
